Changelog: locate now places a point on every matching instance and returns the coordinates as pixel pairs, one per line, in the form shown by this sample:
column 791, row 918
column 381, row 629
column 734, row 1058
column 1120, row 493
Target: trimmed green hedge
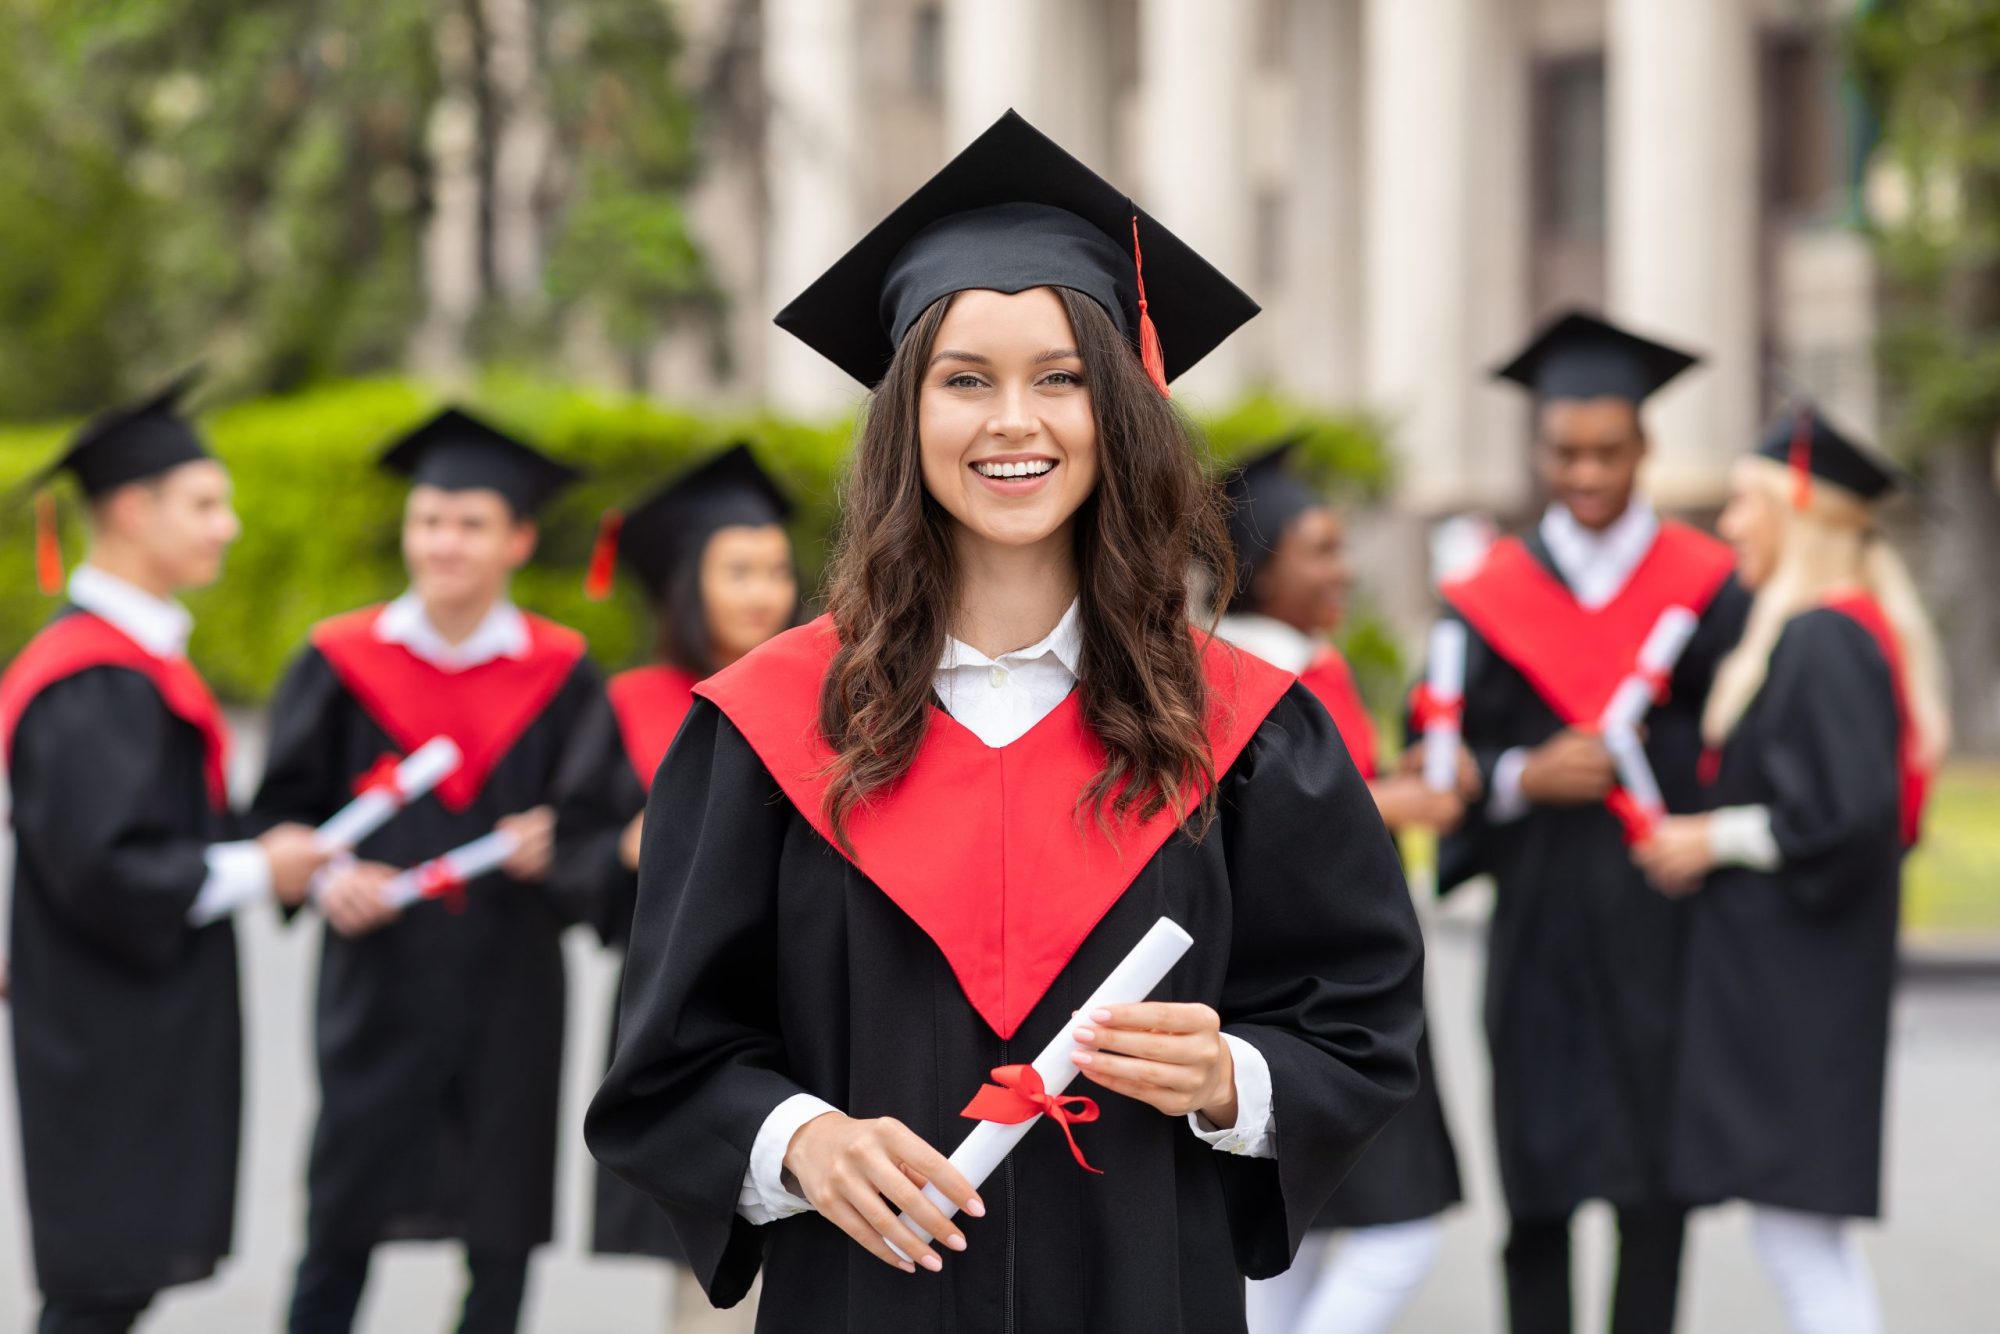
column 320, row 523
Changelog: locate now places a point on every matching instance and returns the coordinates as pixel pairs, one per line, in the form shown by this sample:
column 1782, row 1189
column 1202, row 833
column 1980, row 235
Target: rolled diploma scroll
column 1446, row 686
column 1664, row 645
column 1635, row 771
column 1132, row 980
column 421, row 770
column 461, row 864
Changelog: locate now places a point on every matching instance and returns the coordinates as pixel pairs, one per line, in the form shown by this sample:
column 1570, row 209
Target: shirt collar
column 1277, row 642
column 1597, row 564
column 503, row 633
column 1064, row 643
column 158, row 625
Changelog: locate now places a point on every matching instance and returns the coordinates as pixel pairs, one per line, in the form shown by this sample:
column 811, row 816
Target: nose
column 1013, row 418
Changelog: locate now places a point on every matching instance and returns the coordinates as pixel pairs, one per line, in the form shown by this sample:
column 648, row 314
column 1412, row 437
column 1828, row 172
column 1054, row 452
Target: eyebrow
column 1053, row 354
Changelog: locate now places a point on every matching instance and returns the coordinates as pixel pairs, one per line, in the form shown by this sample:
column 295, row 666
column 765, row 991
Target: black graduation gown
column 126, row 1022
column 1785, row 1030
column 438, row 1037
column 1583, row 956
column 597, row 796
column 763, row 964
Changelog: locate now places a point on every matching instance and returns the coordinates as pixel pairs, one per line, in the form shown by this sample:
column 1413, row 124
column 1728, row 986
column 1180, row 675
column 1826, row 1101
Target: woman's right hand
column 845, row 1167
column 1406, row 802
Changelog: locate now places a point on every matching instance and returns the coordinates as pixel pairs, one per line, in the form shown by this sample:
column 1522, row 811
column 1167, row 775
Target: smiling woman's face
column 1008, row 438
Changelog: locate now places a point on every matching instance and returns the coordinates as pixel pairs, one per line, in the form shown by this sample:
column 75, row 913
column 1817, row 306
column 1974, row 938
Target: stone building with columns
column 1407, row 186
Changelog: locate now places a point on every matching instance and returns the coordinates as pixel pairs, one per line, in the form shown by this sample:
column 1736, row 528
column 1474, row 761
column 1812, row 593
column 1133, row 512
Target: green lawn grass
column 1952, row 881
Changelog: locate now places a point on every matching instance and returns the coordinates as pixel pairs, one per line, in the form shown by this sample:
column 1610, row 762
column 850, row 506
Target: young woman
column 713, row 554
column 893, row 851
column 1828, row 717
column 1293, row 581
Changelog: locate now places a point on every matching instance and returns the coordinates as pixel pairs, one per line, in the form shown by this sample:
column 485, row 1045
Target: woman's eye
column 963, row 380
column 1062, row 379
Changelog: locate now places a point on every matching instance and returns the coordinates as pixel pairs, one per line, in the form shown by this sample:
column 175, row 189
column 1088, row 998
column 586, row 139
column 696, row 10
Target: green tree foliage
column 252, row 183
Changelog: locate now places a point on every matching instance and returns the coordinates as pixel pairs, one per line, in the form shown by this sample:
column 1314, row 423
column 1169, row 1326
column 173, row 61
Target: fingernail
column 1084, row 1035
column 976, row 1207
column 956, row 1241
column 906, row 1266
column 932, row 1263
column 1101, row 1016
column 1081, row 1057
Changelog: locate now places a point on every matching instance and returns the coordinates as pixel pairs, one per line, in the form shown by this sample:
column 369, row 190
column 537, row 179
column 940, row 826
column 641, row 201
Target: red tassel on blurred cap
column 603, row 557
column 1150, row 355
column 1800, row 458
column 48, row 545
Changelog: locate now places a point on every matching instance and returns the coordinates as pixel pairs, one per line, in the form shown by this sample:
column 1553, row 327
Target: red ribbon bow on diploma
column 1658, row 683
column 382, row 777
column 1637, row 820
column 436, row 880
column 1018, row 1094
column 1427, row 707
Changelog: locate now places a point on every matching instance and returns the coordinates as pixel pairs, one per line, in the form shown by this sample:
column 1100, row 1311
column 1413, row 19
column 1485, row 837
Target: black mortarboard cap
column 673, row 524
column 1579, row 355
column 456, row 451
column 1264, row 498
column 1805, row 441
column 132, row 443
column 1014, row 210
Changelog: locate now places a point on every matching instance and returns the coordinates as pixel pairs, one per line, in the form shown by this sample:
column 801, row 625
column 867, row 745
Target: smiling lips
column 1002, row 470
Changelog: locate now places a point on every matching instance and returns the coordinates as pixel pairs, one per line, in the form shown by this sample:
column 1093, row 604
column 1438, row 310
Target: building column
column 1000, row 55
column 1683, row 222
column 1194, row 65
column 813, row 165
column 1318, row 315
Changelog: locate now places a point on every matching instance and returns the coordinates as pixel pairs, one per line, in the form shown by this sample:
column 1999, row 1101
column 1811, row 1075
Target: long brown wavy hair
column 1154, row 519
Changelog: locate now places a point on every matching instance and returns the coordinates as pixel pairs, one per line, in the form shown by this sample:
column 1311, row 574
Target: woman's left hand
column 1676, row 856
column 1168, row 1056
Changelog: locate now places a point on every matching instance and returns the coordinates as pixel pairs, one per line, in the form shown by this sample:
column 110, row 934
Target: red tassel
column 1150, row 355
column 603, row 557
column 48, row 545
column 1800, row 459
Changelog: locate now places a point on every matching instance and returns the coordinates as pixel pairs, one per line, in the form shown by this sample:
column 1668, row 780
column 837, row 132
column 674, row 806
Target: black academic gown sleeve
column 1790, row 972
column 1324, row 975
column 762, row 965
column 596, row 797
column 126, row 1028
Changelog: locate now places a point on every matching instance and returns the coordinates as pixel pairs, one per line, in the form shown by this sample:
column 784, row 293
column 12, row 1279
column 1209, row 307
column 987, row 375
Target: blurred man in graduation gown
column 1583, row 956
column 439, row 1030
column 711, row 551
column 127, row 1037
column 1829, row 719
column 1293, row 583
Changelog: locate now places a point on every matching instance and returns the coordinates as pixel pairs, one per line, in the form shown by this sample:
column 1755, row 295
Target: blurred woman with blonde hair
column 1824, row 724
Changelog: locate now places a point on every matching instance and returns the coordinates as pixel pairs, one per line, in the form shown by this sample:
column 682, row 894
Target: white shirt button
column 997, row 677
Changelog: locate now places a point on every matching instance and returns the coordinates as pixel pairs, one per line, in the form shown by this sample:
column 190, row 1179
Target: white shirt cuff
column 1255, row 1134
column 1741, row 836
column 763, row 1198
column 238, row 873
column 1506, row 802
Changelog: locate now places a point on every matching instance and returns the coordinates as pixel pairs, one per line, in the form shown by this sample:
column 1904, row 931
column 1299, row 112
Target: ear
column 521, row 542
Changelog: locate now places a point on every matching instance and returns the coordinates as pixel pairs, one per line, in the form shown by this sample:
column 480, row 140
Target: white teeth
column 1028, row 468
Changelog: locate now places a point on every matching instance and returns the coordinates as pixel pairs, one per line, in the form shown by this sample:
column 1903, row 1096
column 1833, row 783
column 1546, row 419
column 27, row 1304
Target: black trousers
column 1647, row 1289
column 113, row 1315
column 328, row 1291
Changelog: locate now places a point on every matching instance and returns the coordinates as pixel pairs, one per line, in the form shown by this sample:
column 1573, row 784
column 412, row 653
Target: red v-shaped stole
column 1572, row 656
column 80, row 641
column 650, row 703
column 484, row 709
column 984, row 848
column 1332, row 682
column 1914, row 779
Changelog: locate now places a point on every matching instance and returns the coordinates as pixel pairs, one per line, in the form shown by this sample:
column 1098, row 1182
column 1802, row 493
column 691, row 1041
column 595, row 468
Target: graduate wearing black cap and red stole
column 712, row 552
column 126, row 1029
column 1583, row 958
column 1829, row 717
column 1293, row 582
column 439, row 1029
column 894, row 850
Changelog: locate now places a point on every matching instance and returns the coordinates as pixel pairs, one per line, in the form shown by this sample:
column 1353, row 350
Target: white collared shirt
column 1277, row 642
column 999, row 700
column 1596, row 566
column 501, row 633
column 238, row 873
